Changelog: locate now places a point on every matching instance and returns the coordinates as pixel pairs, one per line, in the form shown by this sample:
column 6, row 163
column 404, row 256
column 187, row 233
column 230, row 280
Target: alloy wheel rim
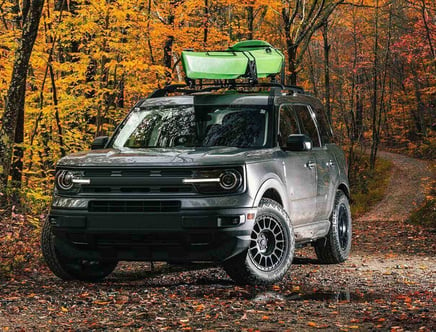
column 343, row 227
column 268, row 244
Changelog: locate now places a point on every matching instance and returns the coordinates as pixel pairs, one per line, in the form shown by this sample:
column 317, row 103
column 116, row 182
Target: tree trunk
column 250, row 21
column 312, row 73
column 17, row 89
column 17, row 160
column 292, row 66
column 327, row 70
column 206, row 22
column 168, row 56
column 375, row 138
column 418, row 115
column 428, row 32
column 168, row 51
column 55, row 103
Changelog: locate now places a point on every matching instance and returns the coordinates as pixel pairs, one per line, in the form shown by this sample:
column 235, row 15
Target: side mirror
column 99, row 142
column 298, row 142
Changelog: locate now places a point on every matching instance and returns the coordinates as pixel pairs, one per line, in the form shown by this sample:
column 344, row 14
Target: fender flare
column 277, row 185
column 346, row 189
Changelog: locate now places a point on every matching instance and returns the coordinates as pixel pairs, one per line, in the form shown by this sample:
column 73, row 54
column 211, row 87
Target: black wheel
column 271, row 249
column 68, row 268
column 335, row 247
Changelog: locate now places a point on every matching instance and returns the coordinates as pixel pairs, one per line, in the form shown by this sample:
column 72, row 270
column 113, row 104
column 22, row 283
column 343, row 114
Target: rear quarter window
column 325, row 130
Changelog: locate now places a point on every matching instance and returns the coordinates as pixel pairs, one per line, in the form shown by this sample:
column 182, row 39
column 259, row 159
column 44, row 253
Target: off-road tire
column 251, row 267
column 66, row 268
column 335, row 247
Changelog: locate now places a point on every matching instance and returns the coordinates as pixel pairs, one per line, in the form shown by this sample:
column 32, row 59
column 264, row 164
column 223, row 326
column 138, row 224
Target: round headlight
column 64, row 180
column 230, row 179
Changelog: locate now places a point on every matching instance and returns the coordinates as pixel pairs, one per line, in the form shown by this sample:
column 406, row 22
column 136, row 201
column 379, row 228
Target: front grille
column 134, row 206
column 142, row 172
column 137, row 181
column 138, row 190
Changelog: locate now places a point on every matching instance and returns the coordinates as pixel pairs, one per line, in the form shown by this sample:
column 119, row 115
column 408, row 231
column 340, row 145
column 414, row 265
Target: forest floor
column 389, row 283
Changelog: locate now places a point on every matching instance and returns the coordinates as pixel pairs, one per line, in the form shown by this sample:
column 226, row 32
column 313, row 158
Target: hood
column 165, row 157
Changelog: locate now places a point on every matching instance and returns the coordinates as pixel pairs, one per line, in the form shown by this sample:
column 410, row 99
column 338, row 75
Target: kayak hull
column 231, row 64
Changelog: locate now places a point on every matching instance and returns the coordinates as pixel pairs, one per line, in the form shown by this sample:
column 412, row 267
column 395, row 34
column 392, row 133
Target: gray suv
column 191, row 175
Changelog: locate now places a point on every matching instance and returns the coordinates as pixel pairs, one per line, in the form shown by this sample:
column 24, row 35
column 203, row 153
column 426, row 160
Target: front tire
column 335, row 247
column 271, row 249
column 68, row 268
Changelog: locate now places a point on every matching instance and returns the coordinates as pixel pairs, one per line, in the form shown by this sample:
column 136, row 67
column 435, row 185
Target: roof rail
column 276, row 89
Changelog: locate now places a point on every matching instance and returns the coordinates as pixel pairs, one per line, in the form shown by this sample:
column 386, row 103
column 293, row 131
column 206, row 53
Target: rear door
column 325, row 165
column 328, row 170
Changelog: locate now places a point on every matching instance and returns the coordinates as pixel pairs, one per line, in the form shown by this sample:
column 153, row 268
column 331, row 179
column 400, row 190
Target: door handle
column 330, row 163
column 310, row 164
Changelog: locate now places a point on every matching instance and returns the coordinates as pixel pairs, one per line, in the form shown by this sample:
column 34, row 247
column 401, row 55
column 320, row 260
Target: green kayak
column 234, row 62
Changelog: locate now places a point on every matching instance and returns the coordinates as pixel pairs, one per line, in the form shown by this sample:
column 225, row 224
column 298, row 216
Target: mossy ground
column 368, row 186
column 425, row 214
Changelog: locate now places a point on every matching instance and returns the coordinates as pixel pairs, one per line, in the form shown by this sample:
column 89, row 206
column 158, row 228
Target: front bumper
column 187, row 235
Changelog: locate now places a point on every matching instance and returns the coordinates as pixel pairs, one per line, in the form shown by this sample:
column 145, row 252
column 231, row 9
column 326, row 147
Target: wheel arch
column 272, row 189
column 345, row 189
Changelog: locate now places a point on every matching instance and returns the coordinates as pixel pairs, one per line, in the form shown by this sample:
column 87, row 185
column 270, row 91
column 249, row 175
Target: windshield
column 185, row 126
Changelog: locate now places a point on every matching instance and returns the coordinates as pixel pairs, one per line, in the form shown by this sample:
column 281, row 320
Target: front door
column 300, row 172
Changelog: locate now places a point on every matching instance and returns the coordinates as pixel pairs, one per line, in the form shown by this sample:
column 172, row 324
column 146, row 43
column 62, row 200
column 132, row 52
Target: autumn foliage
column 92, row 60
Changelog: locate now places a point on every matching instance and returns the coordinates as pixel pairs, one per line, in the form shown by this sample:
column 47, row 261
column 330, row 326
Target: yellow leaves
column 295, row 289
column 318, row 326
column 199, row 308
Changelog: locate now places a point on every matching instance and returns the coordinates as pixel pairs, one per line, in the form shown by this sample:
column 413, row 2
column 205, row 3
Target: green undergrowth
column 368, row 186
column 422, row 147
column 425, row 214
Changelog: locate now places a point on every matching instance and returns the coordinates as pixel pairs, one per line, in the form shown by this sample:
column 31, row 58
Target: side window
column 288, row 124
column 307, row 124
column 324, row 126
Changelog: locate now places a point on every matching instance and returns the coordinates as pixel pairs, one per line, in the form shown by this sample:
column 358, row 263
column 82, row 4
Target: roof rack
column 276, row 89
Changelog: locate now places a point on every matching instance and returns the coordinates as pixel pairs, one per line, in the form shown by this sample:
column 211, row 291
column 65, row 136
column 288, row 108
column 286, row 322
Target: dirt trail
column 404, row 191
column 387, row 284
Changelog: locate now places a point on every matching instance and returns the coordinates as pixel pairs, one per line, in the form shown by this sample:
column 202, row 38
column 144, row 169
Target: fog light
column 226, row 221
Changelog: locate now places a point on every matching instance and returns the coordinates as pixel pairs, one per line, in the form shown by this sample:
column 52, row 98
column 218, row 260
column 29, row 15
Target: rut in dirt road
column 405, row 190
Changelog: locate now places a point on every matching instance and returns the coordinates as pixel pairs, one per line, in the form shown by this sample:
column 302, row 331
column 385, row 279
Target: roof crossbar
column 191, row 87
